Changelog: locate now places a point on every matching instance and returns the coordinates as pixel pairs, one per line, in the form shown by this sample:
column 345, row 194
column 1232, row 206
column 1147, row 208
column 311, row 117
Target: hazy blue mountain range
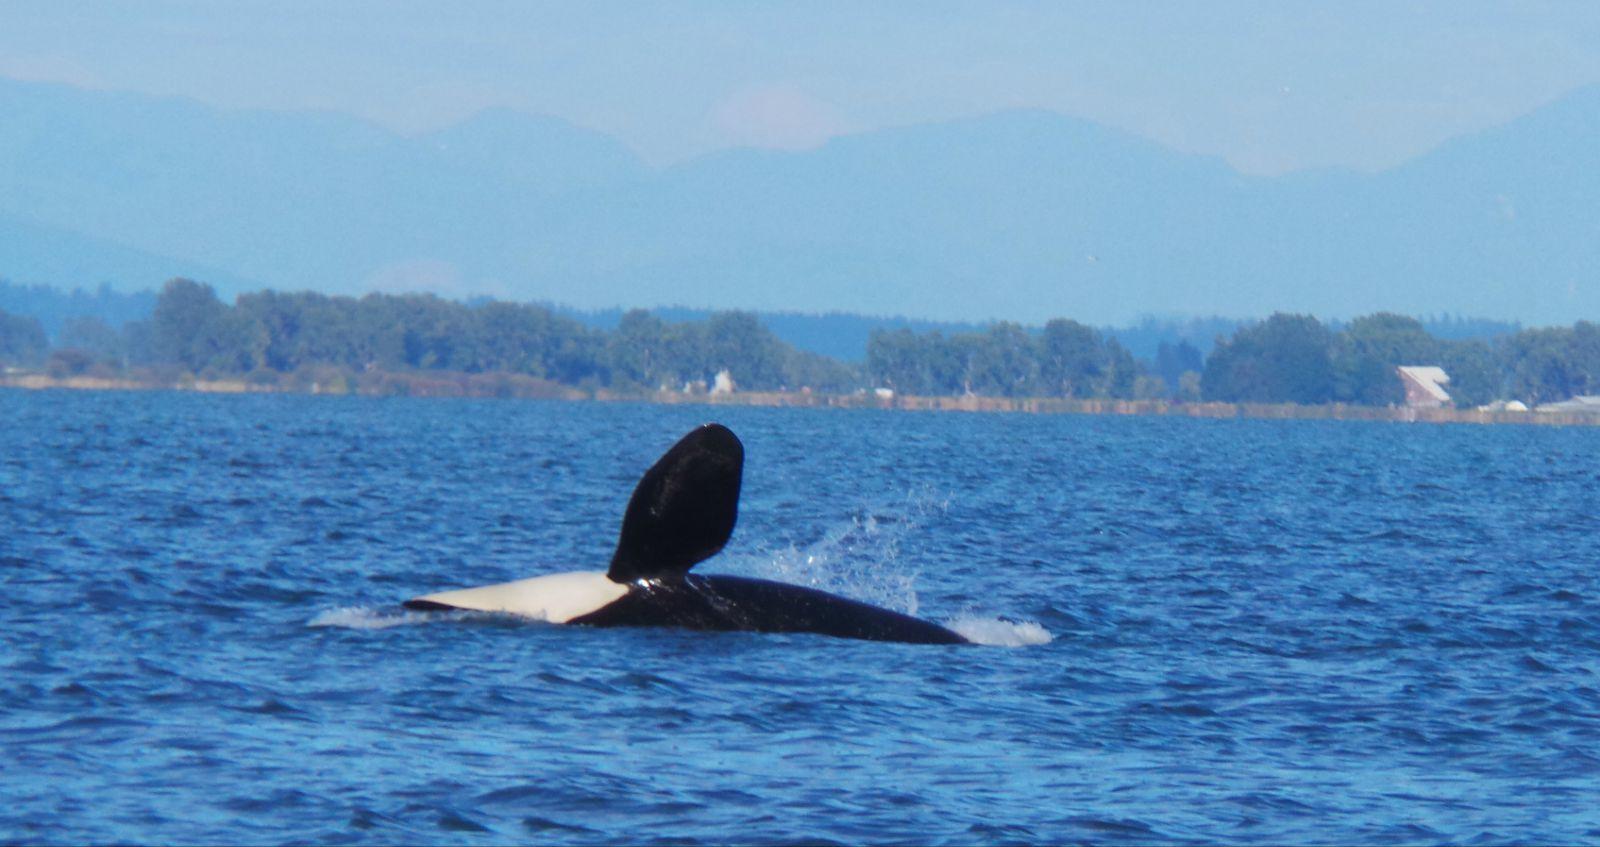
column 47, row 254
column 1019, row 215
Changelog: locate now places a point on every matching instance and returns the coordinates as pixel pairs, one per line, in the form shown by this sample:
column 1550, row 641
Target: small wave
column 1000, row 632
column 366, row 617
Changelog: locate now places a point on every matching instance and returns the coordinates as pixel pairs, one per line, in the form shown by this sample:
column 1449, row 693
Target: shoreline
column 493, row 386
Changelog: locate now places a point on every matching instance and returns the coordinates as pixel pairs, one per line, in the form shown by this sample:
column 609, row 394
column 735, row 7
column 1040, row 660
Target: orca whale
column 681, row 513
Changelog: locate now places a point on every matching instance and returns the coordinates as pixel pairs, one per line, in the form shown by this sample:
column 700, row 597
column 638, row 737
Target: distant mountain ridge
column 1017, row 215
column 40, row 252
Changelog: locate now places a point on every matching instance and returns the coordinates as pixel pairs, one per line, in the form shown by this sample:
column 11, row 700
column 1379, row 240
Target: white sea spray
column 366, row 617
column 859, row 557
column 999, row 632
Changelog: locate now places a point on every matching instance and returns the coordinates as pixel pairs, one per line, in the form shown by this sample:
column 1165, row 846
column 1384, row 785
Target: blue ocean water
column 1197, row 631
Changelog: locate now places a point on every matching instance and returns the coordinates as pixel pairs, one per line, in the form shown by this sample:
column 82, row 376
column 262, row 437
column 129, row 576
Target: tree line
column 270, row 336
column 1297, row 359
column 1066, row 359
column 1286, row 358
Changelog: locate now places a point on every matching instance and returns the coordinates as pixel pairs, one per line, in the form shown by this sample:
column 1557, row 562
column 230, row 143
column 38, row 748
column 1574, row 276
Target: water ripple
column 1231, row 631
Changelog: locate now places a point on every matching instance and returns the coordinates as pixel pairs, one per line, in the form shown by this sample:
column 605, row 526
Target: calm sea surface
column 1240, row 631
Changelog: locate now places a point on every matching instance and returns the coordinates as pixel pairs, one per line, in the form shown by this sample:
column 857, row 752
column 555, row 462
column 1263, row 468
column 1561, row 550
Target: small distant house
column 1583, row 404
column 722, row 383
column 1424, row 386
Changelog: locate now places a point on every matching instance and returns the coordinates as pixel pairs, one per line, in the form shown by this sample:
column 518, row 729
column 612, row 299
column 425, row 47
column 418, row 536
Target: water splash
column 366, row 617
column 999, row 632
column 858, row 558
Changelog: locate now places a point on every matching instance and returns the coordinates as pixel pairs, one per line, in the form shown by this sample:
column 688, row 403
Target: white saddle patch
column 556, row 598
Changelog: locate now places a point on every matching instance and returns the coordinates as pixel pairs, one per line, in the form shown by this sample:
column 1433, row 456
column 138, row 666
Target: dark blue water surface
column 1240, row 631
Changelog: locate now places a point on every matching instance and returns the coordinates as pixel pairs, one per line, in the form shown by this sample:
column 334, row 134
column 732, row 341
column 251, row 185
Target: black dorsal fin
column 683, row 509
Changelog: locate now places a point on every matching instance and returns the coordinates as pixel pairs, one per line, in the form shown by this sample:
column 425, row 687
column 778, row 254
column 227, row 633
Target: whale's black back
column 740, row 603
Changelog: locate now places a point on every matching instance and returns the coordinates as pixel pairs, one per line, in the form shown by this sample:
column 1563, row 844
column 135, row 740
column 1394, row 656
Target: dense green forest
column 1283, row 359
column 1296, row 359
column 290, row 339
column 266, row 335
column 1068, row 359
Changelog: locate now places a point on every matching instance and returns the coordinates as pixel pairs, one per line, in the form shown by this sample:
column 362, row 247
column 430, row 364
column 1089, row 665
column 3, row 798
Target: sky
column 1271, row 87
